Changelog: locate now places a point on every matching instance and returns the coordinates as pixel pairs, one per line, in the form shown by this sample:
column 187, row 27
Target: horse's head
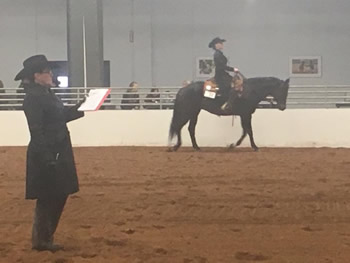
column 280, row 93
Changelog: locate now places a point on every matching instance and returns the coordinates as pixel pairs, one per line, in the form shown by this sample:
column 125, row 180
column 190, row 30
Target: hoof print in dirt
column 158, row 226
column 88, row 255
column 250, row 256
column 129, row 231
column 161, row 251
column 115, row 243
column 309, row 229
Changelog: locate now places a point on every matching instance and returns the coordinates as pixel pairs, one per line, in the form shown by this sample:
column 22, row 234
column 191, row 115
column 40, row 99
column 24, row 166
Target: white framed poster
column 205, row 67
column 305, row 66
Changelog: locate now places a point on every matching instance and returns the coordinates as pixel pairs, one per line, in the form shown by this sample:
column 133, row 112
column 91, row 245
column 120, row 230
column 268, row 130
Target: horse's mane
column 261, row 83
column 265, row 80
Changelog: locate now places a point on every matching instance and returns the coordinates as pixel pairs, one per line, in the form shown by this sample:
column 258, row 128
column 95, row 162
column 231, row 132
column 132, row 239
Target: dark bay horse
column 190, row 101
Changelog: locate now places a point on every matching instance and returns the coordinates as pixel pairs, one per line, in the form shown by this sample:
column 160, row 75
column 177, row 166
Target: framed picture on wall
column 205, row 67
column 305, row 66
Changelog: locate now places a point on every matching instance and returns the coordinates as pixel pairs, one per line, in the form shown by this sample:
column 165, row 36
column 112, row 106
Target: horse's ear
column 287, row 81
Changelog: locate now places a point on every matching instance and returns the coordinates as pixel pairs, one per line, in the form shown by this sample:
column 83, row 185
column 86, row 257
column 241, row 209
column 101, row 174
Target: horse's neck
column 257, row 92
column 261, row 95
column 254, row 97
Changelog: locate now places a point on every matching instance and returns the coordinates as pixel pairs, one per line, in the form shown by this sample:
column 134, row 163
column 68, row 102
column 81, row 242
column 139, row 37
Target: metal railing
column 300, row 96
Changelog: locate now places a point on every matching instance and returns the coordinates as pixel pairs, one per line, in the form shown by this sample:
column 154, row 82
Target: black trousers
column 46, row 217
column 224, row 84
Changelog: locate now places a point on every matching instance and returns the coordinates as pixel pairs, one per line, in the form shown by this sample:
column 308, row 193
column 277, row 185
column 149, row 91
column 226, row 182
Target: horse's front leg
column 248, row 125
column 244, row 134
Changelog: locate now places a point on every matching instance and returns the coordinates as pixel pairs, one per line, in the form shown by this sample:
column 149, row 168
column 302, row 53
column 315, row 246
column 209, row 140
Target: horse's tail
column 171, row 130
column 185, row 102
column 174, row 125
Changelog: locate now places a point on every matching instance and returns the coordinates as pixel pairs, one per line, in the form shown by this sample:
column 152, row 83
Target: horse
column 190, row 101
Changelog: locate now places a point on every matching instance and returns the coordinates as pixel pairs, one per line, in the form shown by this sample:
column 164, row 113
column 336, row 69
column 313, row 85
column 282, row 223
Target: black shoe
column 49, row 247
column 224, row 106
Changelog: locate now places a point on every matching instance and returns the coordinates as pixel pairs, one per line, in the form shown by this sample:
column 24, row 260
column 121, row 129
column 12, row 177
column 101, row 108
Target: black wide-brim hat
column 33, row 65
column 215, row 41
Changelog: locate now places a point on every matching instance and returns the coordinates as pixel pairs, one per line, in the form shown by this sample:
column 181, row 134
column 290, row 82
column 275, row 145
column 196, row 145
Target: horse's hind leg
column 192, row 128
column 179, row 141
column 176, row 128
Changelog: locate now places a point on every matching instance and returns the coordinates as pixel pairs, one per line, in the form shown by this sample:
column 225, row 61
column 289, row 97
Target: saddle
column 210, row 88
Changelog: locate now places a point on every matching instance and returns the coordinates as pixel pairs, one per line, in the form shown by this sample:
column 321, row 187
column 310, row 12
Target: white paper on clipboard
column 94, row 99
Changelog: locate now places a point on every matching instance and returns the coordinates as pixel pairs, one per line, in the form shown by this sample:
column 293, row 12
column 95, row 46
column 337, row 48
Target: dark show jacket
column 49, row 144
column 222, row 77
column 221, row 67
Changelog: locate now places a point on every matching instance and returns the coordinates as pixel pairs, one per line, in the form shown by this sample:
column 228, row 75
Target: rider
column 222, row 77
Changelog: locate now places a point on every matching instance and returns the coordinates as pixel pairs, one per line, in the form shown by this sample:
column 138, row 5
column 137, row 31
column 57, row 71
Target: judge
column 51, row 174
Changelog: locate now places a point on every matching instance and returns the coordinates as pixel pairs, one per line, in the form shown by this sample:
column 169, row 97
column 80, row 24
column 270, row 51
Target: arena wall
column 272, row 128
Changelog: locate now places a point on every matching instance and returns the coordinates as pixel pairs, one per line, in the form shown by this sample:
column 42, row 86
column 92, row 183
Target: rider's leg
column 226, row 98
column 224, row 84
column 228, row 105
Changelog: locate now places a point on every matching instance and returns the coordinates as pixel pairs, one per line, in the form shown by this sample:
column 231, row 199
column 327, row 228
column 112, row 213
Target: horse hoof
column 197, row 149
column 256, row 149
column 232, row 146
column 173, row 149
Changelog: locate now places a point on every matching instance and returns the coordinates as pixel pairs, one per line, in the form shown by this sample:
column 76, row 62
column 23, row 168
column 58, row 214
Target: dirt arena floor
column 139, row 204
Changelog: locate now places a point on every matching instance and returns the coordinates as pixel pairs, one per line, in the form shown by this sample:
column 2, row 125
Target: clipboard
column 94, row 99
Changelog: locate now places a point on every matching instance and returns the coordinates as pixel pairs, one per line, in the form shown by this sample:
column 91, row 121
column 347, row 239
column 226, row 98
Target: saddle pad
column 210, row 89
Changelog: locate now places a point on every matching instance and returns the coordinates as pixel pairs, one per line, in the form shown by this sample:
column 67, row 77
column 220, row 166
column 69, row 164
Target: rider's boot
column 224, row 106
